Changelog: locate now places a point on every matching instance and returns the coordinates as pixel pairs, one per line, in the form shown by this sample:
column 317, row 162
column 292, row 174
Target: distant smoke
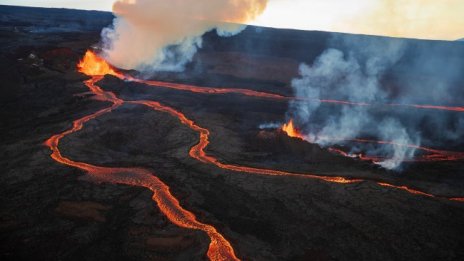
column 366, row 71
column 150, row 35
column 271, row 125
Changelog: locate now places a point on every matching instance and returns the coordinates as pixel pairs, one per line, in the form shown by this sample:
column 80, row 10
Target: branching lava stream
column 219, row 248
column 198, row 152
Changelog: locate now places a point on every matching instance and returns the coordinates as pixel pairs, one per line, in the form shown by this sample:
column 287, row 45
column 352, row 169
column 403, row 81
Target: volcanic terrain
column 104, row 164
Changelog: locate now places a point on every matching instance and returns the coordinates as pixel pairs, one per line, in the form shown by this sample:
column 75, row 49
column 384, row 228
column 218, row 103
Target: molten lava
column 208, row 90
column 291, row 131
column 219, row 248
column 431, row 154
column 94, row 65
column 198, row 152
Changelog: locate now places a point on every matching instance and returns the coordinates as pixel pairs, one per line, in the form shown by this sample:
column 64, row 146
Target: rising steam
column 359, row 72
column 335, row 73
column 149, row 35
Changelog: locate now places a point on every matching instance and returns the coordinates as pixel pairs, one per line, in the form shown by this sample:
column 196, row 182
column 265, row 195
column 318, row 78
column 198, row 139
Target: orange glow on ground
column 93, row 65
column 432, row 155
column 219, row 248
column 207, row 90
column 274, row 96
column 291, row 131
column 198, row 151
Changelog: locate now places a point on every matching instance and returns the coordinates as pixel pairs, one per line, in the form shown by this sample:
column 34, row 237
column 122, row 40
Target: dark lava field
column 53, row 211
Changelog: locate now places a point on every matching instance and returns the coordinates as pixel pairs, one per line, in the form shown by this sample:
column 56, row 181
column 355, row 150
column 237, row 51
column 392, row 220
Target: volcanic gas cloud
column 150, row 35
column 361, row 73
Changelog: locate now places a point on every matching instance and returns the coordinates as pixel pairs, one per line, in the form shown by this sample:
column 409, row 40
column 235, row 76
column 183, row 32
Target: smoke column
column 380, row 71
column 154, row 35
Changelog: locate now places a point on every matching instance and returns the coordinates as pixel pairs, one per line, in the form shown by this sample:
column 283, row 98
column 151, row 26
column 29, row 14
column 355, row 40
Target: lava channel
column 219, row 247
column 274, row 96
column 432, row 155
column 198, row 152
column 94, row 65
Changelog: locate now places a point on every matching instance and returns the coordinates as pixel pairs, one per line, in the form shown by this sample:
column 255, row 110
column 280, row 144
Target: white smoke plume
column 352, row 76
column 154, row 35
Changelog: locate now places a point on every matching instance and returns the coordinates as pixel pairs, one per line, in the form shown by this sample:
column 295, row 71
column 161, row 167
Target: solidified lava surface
column 162, row 171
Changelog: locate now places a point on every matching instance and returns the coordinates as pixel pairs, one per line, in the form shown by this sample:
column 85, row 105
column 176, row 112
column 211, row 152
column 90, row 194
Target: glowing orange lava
column 407, row 189
column 259, row 94
column 219, row 248
column 291, row 130
column 198, row 152
column 93, row 65
column 433, row 154
column 207, row 90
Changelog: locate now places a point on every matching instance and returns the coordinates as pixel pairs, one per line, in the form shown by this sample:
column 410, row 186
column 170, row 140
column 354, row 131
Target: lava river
column 90, row 57
column 260, row 94
column 219, row 248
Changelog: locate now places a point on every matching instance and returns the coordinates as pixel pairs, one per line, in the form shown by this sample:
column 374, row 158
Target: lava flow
column 198, row 152
column 433, row 154
column 208, row 90
column 290, row 129
column 219, row 248
column 95, row 65
column 259, row 94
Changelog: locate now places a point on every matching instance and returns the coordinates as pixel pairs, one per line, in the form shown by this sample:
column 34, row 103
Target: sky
column 427, row 19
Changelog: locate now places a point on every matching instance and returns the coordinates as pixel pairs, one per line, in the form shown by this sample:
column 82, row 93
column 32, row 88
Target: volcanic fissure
column 219, row 248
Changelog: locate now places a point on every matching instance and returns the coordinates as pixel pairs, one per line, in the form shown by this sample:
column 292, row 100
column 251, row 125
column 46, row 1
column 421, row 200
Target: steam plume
column 152, row 35
column 357, row 72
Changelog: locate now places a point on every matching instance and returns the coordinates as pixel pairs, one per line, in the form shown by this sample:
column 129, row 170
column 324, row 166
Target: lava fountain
column 94, row 65
column 290, row 129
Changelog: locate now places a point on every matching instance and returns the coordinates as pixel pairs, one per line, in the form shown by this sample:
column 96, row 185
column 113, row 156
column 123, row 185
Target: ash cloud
column 163, row 35
column 381, row 71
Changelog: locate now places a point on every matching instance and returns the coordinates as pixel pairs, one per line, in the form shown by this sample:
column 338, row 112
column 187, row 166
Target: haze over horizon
column 424, row 19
